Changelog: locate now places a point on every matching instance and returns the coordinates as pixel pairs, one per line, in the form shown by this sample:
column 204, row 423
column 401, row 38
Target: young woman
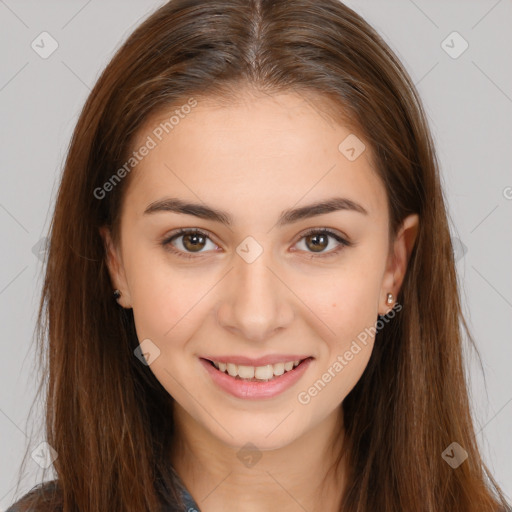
column 250, row 299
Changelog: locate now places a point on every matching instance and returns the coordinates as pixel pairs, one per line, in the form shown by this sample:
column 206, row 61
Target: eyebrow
column 290, row 216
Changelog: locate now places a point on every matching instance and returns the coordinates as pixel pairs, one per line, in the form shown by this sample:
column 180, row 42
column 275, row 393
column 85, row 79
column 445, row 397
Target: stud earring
column 390, row 298
column 117, row 294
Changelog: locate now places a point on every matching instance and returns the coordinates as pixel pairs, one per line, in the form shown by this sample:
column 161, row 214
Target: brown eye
column 188, row 242
column 317, row 242
column 193, row 242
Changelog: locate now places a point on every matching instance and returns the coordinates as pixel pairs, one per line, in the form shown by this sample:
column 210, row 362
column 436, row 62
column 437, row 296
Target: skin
column 254, row 158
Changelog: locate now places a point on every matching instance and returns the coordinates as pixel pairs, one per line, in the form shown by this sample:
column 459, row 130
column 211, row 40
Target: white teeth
column 279, row 369
column 266, row 372
column 246, row 372
column 232, row 369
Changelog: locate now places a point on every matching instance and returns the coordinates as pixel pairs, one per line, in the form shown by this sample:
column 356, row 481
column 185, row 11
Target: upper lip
column 259, row 361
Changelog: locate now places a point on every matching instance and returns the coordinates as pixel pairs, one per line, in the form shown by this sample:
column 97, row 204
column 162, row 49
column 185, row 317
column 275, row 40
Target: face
column 255, row 274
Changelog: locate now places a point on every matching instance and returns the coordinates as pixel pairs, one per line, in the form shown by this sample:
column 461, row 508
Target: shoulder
column 41, row 494
column 190, row 504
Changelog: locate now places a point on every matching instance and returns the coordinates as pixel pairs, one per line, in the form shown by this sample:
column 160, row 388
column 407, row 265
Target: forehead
column 256, row 151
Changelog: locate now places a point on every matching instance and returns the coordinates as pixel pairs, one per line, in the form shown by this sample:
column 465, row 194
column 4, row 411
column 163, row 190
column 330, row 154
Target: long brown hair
column 107, row 417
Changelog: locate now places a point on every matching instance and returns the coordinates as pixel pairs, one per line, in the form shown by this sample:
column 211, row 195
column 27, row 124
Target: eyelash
column 314, row 231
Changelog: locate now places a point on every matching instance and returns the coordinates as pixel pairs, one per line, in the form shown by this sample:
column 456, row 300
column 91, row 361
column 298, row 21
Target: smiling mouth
column 264, row 373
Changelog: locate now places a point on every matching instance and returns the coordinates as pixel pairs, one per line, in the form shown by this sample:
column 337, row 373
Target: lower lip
column 256, row 390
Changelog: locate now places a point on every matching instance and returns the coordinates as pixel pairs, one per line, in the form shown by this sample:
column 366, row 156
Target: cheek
column 169, row 316
column 164, row 301
column 347, row 306
column 345, row 300
column 168, row 306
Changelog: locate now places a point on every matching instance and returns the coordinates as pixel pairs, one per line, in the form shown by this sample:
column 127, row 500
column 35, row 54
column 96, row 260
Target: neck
column 302, row 475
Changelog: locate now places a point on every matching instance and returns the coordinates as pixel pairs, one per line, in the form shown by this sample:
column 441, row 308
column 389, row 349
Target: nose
column 255, row 302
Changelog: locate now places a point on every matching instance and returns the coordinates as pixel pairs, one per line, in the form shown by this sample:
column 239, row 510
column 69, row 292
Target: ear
column 398, row 259
column 115, row 268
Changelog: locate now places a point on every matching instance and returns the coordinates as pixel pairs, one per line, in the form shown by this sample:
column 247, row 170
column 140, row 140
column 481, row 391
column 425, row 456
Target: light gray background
column 469, row 103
